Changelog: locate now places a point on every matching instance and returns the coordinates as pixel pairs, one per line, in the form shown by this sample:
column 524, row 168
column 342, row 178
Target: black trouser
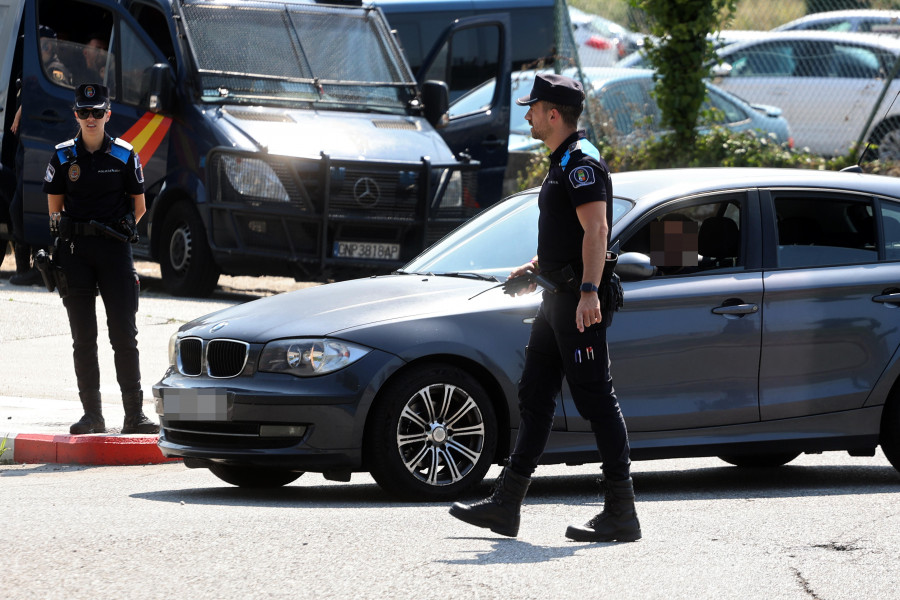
column 16, row 205
column 555, row 349
column 100, row 262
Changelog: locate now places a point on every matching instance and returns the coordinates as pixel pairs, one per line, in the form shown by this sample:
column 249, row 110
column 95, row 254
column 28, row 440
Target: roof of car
column 833, row 15
column 655, row 185
column 887, row 42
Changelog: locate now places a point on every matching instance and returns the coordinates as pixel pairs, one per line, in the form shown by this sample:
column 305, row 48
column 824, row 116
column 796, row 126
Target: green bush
column 719, row 147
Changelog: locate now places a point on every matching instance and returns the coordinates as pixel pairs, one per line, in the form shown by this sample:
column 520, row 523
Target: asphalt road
column 824, row 527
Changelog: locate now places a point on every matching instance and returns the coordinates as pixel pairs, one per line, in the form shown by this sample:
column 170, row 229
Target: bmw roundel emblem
column 218, row 326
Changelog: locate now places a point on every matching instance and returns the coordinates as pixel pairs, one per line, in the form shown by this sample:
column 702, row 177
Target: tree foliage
column 682, row 56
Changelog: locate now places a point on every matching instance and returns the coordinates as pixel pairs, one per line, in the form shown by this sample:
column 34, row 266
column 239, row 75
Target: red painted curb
column 88, row 449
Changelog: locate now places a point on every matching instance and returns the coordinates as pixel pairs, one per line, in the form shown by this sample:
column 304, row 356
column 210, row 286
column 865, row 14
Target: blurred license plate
column 195, row 404
column 373, row 250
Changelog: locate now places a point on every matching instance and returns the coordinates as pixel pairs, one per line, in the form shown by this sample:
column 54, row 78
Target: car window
column 855, row 62
column 777, row 59
column 818, row 231
column 627, row 106
column 728, row 111
column 689, row 239
column 890, row 224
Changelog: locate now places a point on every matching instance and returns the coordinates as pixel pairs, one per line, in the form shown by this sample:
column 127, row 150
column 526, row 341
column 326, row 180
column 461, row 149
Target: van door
column 10, row 16
column 96, row 40
column 472, row 55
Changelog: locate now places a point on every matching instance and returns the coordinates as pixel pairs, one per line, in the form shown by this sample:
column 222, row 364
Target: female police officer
column 95, row 194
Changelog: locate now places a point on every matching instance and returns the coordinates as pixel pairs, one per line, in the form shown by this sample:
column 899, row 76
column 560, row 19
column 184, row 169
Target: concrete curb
column 94, row 449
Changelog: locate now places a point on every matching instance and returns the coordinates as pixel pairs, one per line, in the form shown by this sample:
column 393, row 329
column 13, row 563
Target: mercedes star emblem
column 366, row 191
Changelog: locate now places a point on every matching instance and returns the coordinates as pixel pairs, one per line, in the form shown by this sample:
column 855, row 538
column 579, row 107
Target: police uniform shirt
column 577, row 175
column 97, row 185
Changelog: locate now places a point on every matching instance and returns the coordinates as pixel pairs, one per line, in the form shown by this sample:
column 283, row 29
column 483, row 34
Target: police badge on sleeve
column 48, row 176
column 581, row 176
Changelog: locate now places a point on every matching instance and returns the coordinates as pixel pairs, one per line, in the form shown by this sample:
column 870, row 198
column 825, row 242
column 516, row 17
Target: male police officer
column 95, row 195
column 568, row 337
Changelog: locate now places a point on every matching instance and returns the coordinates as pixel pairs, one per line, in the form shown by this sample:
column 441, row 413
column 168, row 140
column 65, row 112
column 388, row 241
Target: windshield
column 333, row 57
column 494, row 242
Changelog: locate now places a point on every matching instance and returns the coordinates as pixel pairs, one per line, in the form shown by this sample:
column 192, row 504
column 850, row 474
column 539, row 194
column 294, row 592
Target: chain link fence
column 833, row 80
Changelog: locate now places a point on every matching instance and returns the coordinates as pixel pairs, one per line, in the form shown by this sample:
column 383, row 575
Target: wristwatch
column 589, row 287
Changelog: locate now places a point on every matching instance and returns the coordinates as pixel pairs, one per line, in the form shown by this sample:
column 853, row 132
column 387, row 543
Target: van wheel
column 890, row 430
column 432, row 434
column 185, row 259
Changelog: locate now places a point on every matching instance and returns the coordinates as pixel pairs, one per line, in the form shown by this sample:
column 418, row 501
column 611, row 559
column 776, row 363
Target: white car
column 860, row 20
column 828, row 84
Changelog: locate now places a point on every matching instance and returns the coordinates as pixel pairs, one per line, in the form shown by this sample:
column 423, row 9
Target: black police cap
column 91, row 95
column 47, row 32
column 554, row 88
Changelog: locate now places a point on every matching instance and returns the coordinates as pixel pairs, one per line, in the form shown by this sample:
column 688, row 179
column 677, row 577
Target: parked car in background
column 627, row 108
column 861, row 20
column 772, row 334
column 601, row 42
column 826, row 83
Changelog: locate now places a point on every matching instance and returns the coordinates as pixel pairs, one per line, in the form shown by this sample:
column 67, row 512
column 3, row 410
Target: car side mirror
column 436, row 98
column 634, row 266
column 160, row 89
column 720, row 70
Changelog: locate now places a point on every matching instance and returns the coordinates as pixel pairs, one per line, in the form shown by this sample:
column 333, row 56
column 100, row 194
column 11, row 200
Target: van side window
column 83, row 34
column 154, row 24
column 137, row 60
column 470, row 59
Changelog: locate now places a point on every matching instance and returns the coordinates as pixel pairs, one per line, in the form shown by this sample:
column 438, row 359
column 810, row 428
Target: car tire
column 760, row 461
column 890, row 431
column 185, row 260
column 887, row 137
column 253, row 477
column 432, row 434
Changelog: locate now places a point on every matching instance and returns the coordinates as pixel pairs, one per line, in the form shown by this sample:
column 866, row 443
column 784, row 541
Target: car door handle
column 892, row 298
column 494, row 142
column 736, row 309
column 49, row 117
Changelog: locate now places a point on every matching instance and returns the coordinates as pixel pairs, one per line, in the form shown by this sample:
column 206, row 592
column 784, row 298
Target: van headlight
column 454, row 192
column 254, row 177
column 309, row 357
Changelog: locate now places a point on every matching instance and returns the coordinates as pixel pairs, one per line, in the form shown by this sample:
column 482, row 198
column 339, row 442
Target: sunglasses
column 84, row 113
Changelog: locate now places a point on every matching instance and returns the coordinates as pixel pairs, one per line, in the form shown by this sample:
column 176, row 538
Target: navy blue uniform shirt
column 577, row 175
column 97, row 185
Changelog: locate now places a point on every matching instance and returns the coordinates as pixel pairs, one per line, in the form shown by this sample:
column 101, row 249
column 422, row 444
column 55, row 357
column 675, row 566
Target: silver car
column 859, row 20
column 763, row 323
column 827, row 84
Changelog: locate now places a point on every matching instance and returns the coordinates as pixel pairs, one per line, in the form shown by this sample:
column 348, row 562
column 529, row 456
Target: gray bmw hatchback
column 760, row 322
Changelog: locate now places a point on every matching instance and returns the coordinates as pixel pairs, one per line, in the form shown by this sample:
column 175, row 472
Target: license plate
column 195, row 404
column 371, row 250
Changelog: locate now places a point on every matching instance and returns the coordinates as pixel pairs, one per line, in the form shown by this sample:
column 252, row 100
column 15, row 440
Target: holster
column 53, row 275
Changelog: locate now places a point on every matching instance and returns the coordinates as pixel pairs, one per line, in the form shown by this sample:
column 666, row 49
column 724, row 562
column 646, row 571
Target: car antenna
column 857, row 168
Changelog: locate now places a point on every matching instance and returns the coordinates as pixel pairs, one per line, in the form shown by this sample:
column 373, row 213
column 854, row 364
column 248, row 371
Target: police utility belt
column 568, row 279
column 123, row 231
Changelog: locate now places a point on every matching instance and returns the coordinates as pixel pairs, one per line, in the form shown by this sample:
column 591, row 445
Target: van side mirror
column 160, row 90
column 436, row 98
column 634, row 266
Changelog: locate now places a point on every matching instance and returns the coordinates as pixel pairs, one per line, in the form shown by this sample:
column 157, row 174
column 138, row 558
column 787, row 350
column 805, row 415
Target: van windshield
column 287, row 53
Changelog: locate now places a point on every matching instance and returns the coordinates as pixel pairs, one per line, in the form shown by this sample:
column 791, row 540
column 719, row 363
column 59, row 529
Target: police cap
column 46, row 32
column 91, row 95
column 554, row 88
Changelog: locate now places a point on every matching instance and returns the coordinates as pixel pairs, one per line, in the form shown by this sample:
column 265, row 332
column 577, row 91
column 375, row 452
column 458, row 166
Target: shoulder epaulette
column 66, row 151
column 121, row 149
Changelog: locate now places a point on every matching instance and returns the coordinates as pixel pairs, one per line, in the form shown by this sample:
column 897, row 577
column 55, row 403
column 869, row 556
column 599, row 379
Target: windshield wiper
column 469, row 275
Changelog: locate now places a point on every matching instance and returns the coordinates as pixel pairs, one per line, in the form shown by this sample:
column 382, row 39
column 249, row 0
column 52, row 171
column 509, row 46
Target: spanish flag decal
column 147, row 134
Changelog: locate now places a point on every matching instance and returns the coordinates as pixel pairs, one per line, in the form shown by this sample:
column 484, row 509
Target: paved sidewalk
column 37, row 431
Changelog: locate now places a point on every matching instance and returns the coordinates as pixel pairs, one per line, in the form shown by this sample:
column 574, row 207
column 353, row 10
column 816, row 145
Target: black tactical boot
column 617, row 523
column 135, row 419
column 92, row 421
column 25, row 274
column 499, row 512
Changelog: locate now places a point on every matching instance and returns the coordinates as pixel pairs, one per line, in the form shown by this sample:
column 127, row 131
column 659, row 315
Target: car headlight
column 309, row 357
column 253, row 177
column 173, row 343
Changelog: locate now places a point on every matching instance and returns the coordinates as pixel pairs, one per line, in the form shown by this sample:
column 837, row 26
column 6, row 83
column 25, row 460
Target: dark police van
column 277, row 138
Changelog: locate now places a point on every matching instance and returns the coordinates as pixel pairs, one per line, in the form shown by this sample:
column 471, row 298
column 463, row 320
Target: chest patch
column 74, row 173
column 581, row 176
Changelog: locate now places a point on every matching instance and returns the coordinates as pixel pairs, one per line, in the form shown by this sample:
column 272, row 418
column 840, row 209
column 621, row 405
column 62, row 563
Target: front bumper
column 271, row 420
